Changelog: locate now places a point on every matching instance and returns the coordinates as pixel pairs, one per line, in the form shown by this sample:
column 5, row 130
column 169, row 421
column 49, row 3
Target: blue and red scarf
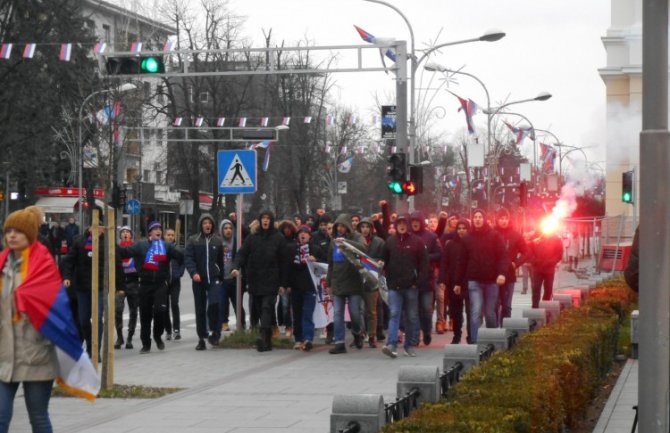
column 156, row 254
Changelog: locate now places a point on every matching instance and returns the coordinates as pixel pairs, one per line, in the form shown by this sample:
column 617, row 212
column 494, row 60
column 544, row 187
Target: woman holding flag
column 35, row 324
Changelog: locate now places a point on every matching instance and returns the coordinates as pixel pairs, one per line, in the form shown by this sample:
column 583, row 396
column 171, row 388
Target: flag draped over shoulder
column 367, row 267
column 44, row 299
column 469, row 108
column 324, row 312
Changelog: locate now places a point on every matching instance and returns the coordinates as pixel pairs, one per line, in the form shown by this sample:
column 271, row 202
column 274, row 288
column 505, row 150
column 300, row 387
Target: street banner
column 324, row 312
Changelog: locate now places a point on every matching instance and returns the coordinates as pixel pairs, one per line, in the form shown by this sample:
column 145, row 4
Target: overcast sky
column 551, row 45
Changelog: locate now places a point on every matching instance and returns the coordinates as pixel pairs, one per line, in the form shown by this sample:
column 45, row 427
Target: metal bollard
column 367, row 410
column 565, row 300
column 553, row 309
column 425, row 379
column 521, row 326
column 537, row 314
column 634, row 332
column 466, row 354
column 495, row 336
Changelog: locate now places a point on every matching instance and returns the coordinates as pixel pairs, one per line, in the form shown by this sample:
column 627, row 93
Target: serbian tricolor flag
column 177, row 121
column 267, row 145
column 330, row 120
column 264, row 121
column 65, row 52
column 243, row 122
column 469, row 108
column 286, row 121
column 29, row 51
column 548, row 157
column 220, row 122
column 43, row 298
column 519, row 133
column 100, row 48
column 169, row 46
column 6, row 51
column 198, row 122
column 367, row 37
column 308, row 119
column 136, row 47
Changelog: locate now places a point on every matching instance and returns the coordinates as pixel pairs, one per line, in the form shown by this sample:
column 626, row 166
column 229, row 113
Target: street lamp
column 489, row 36
column 80, row 163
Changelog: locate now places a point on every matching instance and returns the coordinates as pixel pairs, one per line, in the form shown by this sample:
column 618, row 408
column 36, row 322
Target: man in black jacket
column 406, row 263
column 154, row 271
column 517, row 252
column 482, row 272
column 204, row 262
column 546, row 251
column 263, row 257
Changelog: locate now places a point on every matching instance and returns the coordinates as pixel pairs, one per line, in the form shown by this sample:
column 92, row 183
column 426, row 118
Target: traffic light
column 397, row 172
column 409, row 187
column 627, row 186
column 523, row 194
column 135, row 65
column 416, row 176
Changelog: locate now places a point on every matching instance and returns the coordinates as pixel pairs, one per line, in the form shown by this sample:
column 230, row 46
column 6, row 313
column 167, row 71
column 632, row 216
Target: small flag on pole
column 352, row 120
column 29, row 51
column 177, row 121
column 264, row 121
column 169, row 46
column 136, row 47
column 286, row 121
column 198, row 122
column 243, row 122
column 308, row 119
column 343, row 150
column 220, row 122
column 6, row 51
column 100, row 48
column 330, row 120
column 65, row 52
column 328, row 148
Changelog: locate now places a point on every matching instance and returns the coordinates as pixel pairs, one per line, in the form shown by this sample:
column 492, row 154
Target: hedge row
column 545, row 383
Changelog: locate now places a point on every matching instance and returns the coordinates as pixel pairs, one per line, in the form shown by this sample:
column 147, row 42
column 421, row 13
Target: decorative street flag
column 330, row 120
column 220, row 122
column 169, row 46
column 267, row 145
column 100, row 48
column 308, row 119
column 352, row 120
column 328, row 148
column 286, row 121
column 367, row 37
column 198, row 122
column 136, row 47
column 177, row 121
column 343, row 150
column 6, row 51
column 345, row 166
column 264, row 122
column 29, row 51
column 243, row 122
column 65, row 52
column 548, row 157
column 469, row 109
column 519, row 133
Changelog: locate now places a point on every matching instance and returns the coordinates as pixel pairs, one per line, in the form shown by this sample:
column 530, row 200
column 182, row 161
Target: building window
column 106, row 33
column 204, row 97
column 147, row 176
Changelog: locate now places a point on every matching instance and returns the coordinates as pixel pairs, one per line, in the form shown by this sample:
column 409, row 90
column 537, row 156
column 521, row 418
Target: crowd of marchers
column 443, row 273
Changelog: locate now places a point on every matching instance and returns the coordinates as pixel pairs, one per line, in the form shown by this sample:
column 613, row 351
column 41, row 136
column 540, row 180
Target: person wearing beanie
column 152, row 258
column 517, row 253
column 204, row 263
column 229, row 292
column 26, row 356
column 262, row 257
column 130, row 295
column 77, row 270
column 482, row 272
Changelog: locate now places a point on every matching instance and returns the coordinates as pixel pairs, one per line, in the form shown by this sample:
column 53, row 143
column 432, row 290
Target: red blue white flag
column 548, row 157
column 136, row 47
column 286, row 121
column 65, row 52
column 308, row 119
column 469, row 109
column 243, row 122
column 29, row 51
column 519, row 133
column 177, row 121
column 43, row 298
column 198, row 121
column 368, row 37
column 6, row 51
column 220, row 122
column 264, row 121
column 169, row 46
column 100, row 48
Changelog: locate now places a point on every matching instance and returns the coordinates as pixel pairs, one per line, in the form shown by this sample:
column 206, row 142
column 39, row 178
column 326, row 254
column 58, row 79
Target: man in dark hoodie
column 406, row 263
column 203, row 258
column 152, row 259
column 345, row 282
column 517, row 252
column 482, row 272
column 427, row 284
column 449, row 265
column 263, row 257
column 229, row 293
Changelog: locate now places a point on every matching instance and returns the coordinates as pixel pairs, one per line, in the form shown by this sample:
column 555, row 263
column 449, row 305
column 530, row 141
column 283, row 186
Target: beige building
column 623, row 81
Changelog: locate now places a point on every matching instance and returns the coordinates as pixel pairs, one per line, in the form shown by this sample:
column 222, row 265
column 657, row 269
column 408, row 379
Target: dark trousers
column 297, row 298
column 456, row 303
column 538, row 279
column 84, row 307
column 131, row 296
column 207, row 297
column 265, row 305
column 174, row 289
column 153, row 305
column 426, row 303
column 229, row 296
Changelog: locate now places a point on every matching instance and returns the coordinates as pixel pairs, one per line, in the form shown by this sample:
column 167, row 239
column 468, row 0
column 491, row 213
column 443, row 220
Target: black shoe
column 159, row 343
column 177, row 335
column 456, row 339
column 372, row 343
column 145, row 349
column 307, row 346
column 358, row 341
column 337, row 349
column 213, row 339
column 201, row 345
column 129, row 345
column 118, row 343
column 260, row 345
column 381, row 336
column 168, row 337
column 427, row 339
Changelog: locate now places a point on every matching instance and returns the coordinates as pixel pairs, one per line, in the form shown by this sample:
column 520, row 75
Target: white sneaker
column 409, row 351
column 389, row 351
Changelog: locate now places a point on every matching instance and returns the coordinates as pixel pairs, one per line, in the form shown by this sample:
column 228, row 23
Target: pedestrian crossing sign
column 236, row 171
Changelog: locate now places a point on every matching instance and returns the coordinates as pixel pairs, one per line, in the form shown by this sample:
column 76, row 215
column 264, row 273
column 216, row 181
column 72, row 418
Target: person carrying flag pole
column 39, row 337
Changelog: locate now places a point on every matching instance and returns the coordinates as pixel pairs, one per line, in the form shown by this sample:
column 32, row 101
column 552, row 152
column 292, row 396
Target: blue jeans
column 308, row 306
column 36, row 395
column 84, row 307
column 505, row 303
column 354, row 311
column 482, row 296
column 409, row 299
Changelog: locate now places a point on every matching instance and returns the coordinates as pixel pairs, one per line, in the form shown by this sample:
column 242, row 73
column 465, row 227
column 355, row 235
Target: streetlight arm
column 409, row 26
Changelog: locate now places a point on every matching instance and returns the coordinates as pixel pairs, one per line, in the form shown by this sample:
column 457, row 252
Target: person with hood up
column 229, row 292
column 203, row 258
column 373, row 304
column 344, row 282
column 427, row 288
column 263, row 258
column 449, row 265
column 152, row 258
column 284, row 318
column 482, row 272
column 517, row 252
column 406, row 264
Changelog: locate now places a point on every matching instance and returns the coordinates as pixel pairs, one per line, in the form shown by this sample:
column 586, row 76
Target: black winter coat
column 204, row 256
column 77, row 266
column 299, row 277
column 138, row 251
column 263, row 256
column 434, row 250
column 484, row 256
column 545, row 252
column 516, row 250
column 452, row 259
column 405, row 261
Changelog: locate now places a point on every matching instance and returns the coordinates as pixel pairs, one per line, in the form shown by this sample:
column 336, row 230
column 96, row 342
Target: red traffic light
column 409, row 187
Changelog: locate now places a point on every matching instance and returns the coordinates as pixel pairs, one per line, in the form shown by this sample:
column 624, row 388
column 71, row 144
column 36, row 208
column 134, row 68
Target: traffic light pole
column 402, row 136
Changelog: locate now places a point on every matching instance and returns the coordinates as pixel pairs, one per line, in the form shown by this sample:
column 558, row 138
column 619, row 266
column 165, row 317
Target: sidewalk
column 228, row 390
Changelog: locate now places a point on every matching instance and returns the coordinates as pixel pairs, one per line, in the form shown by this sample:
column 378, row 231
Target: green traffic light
column 395, row 187
column 150, row 65
column 626, row 197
